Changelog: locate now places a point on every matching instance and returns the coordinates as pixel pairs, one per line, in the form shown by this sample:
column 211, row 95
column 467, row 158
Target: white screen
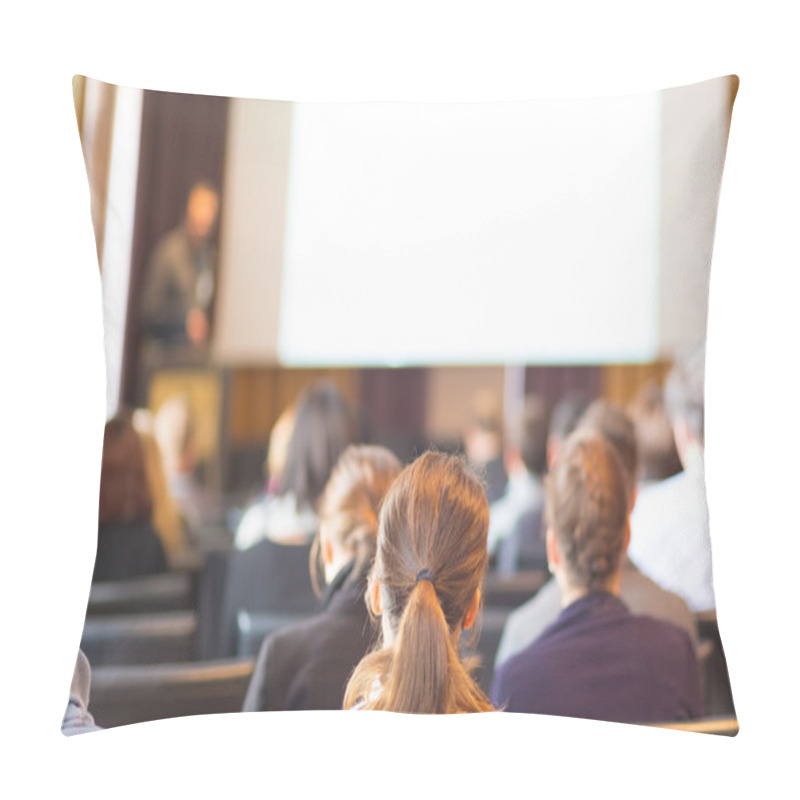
column 512, row 232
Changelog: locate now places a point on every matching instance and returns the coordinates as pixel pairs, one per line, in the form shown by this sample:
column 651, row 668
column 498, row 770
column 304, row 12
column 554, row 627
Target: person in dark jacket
column 127, row 544
column 307, row 666
column 597, row 660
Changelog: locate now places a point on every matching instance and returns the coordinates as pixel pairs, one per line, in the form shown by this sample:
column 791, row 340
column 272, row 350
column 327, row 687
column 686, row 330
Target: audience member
column 655, row 443
column 323, row 428
column 77, row 718
column 563, row 421
column 425, row 586
column 515, row 519
column 483, row 443
column 166, row 514
column 174, row 430
column 127, row 544
column 307, row 666
column 597, row 660
column 670, row 540
column 639, row 593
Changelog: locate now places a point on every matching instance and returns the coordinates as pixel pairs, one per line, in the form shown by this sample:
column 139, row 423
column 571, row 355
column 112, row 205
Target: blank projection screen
column 509, row 232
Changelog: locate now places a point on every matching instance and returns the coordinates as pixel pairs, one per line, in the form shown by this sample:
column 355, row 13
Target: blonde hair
column 430, row 559
column 279, row 438
column 350, row 504
column 166, row 518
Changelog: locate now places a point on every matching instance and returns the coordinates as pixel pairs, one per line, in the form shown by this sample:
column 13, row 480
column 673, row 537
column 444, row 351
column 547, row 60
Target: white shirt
column 669, row 535
column 274, row 517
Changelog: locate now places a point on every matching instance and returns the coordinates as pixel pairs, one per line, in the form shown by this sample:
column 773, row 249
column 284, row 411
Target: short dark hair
column 616, row 427
column 324, row 426
column 566, row 414
column 684, row 393
column 533, row 435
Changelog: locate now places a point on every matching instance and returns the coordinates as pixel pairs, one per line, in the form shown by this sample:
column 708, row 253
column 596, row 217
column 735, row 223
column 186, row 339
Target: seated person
column 524, row 496
column 671, row 543
column 597, row 660
column 640, row 594
column 306, row 666
column 655, row 443
column 425, row 587
column 166, row 514
column 174, row 430
column 77, row 718
column 127, row 544
column 323, row 427
column 483, row 444
column 563, row 421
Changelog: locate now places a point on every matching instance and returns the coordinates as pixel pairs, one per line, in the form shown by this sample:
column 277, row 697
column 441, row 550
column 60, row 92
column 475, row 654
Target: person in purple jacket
column 597, row 660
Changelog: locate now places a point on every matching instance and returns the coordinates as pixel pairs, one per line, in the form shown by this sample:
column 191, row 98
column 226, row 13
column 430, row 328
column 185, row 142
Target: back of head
column 351, row 502
column 587, row 509
column 684, row 393
column 616, row 427
column 533, row 435
column 430, row 560
column 564, row 420
column 323, row 428
column 124, row 493
column 483, row 438
column 655, row 442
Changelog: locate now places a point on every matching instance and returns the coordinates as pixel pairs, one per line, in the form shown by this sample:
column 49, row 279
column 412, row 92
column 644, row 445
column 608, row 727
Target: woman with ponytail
column 425, row 587
column 306, row 666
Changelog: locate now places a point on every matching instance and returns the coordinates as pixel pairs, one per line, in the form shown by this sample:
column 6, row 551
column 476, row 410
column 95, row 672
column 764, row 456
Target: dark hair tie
column 425, row 575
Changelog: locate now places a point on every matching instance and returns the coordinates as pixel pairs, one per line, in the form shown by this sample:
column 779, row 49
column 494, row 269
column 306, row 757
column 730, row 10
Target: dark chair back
column 267, row 577
column 717, row 692
column 168, row 592
column 524, row 548
column 163, row 637
column 254, row 626
column 125, row 695
column 511, row 591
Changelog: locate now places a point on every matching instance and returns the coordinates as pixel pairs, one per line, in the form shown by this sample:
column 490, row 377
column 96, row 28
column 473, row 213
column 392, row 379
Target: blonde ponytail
column 431, row 556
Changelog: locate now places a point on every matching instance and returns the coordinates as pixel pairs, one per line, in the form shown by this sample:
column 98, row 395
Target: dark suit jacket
column 599, row 661
column 307, row 666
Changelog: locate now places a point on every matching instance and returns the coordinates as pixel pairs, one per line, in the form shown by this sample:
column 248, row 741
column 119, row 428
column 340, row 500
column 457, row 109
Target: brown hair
column 587, row 508
column 430, row 560
column 350, row 505
column 323, row 427
column 124, row 494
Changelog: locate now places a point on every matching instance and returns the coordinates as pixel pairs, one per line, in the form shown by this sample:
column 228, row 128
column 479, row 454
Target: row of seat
column 141, row 637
